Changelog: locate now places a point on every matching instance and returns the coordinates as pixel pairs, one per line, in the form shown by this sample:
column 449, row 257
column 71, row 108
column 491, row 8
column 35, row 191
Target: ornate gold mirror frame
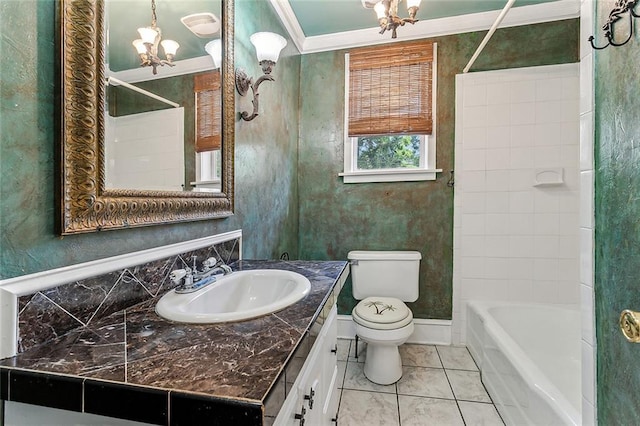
column 86, row 205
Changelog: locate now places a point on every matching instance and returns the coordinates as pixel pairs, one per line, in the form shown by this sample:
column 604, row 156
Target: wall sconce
column 621, row 7
column 268, row 47
column 214, row 49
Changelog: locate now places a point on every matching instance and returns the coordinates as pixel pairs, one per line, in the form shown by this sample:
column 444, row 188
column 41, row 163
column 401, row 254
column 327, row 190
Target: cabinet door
column 330, row 369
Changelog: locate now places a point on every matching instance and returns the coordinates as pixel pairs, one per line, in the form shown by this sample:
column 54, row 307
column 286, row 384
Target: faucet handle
column 177, row 275
column 209, row 263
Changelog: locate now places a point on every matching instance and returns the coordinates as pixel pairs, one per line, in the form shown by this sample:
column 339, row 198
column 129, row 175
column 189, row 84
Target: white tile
column 569, row 223
column 467, row 386
column 520, row 180
column 588, row 413
column 499, row 115
column 474, row 138
column 546, row 224
column 497, row 93
column 545, row 269
column 475, row 95
column 471, row 181
column 586, row 199
column 523, row 91
column 550, row 89
column 520, row 290
column 472, row 246
column 472, row 267
column 570, row 133
column 586, row 310
column 474, row 203
column 496, row 246
column 479, row 414
column 568, row 293
column 475, row 116
column 546, row 201
column 419, row 356
column 586, row 84
column 497, row 224
column 456, row 357
column 522, row 136
column 545, row 246
column 569, row 270
column 521, row 158
column 547, row 156
column 570, row 111
column 572, row 174
column 569, row 246
column 497, row 202
column 416, row 411
column 520, row 223
column 499, row 137
column 588, row 373
column 523, row 113
column 548, row 134
column 586, row 141
column 520, row 268
column 545, row 291
column 586, row 256
column 549, row 112
column 472, row 224
column 497, row 180
column 568, row 201
column 570, row 156
column 474, row 159
column 496, row 268
column 520, row 246
column 421, row 381
column 359, row 408
column 586, row 27
column 521, row 202
column 497, row 159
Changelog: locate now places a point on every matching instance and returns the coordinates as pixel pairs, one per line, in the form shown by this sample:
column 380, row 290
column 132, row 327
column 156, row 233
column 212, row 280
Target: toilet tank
column 385, row 274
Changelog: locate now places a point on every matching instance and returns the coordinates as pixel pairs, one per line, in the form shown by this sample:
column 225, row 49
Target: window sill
column 390, row 175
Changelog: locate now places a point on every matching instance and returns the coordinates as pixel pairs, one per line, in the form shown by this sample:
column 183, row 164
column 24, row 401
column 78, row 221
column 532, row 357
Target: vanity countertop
column 180, row 373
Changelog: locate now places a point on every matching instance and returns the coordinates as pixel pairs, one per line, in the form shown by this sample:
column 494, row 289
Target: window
column 389, row 110
column 208, row 131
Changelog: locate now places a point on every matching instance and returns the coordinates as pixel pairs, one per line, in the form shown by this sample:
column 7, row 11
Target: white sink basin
column 235, row 297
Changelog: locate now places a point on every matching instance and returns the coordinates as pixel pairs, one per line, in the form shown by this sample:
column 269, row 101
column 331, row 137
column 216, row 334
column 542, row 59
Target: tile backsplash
column 51, row 313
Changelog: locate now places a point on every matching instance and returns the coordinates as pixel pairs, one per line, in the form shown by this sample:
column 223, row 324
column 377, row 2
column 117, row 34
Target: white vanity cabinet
column 313, row 399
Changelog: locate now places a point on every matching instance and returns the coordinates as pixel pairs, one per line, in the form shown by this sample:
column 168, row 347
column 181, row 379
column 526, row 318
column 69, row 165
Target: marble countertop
column 238, row 361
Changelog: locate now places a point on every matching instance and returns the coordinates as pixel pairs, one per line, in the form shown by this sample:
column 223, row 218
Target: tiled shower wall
column 51, row 313
column 514, row 241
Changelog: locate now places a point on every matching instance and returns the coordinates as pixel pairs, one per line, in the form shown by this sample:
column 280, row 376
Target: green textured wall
column 266, row 152
column 617, row 224
column 336, row 218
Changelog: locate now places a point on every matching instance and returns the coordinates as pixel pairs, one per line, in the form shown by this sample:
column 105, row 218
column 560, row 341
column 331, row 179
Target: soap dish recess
column 552, row 176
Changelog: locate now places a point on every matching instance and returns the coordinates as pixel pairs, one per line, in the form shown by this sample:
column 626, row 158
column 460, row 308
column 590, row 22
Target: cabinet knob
column 310, row 398
column 630, row 325
column 335, row 349
column 301, row 416
column 335, row 420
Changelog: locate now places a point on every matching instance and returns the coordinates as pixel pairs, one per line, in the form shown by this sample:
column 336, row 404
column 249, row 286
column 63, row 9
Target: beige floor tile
column 361, row 408
column 479, row 414
column 467, row 386
column 343, row 349
column 355, row 379
column 342, row 368
column 417, row 411
column 362, row 351
column 456, row 357
column 420, row 356
column 422, row 381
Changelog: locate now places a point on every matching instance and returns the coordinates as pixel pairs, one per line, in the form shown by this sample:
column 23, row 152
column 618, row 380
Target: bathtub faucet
column 189, row 279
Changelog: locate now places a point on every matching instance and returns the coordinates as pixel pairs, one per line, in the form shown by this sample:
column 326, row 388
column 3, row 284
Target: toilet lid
column 382, row 310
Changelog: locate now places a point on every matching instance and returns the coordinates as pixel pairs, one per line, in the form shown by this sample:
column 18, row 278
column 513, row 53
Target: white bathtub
column 529, row 358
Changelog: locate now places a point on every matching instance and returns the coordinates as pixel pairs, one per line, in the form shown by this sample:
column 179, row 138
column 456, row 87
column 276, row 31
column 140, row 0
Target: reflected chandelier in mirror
column 87, row 205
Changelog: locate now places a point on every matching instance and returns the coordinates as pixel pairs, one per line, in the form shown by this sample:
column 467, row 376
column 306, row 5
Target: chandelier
column 387, row 12
column 147, row 44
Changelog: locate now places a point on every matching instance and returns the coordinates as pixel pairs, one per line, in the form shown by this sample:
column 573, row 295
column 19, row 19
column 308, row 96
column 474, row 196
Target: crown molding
column 186, row 66
column 524, row 15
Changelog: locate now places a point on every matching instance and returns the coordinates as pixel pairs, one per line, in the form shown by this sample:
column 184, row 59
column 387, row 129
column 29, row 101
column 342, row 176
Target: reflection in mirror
column 112, row 185
column 163, row 115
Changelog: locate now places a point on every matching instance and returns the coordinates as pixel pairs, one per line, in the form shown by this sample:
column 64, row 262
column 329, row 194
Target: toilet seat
column 382, row 313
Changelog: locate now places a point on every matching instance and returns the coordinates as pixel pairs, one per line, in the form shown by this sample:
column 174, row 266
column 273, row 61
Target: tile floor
column 440, row 386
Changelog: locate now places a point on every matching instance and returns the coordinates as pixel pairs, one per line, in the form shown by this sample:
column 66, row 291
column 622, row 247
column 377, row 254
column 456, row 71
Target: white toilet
column 383, row 281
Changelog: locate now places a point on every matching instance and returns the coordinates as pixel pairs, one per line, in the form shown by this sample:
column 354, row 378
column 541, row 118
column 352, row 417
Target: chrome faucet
column 189, row 279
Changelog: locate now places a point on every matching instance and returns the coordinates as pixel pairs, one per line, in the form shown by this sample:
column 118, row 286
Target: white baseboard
column 427, row 331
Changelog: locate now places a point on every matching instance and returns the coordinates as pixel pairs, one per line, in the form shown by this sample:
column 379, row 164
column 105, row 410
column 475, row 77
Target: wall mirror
column 144, row 145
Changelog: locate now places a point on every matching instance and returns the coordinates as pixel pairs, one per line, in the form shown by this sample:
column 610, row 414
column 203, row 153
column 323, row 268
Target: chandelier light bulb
column 381, row 11
column 170, row 47
column 140, row 47
column 148, row 34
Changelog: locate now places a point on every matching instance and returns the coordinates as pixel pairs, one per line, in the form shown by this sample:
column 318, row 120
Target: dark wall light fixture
column 619, row 9
column 268, row 47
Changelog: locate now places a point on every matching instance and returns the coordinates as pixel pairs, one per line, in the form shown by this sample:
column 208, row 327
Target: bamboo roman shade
column 390, row 89
column 208, row 111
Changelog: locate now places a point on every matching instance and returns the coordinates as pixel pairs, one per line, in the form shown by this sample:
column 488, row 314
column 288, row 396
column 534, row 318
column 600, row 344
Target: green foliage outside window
column 388, row 152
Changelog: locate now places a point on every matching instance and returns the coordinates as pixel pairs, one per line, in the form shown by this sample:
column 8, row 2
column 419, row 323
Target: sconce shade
column 170, row 47
column 214, row 49
column 380, row 10
column 148, row 35
column 268, row 45
column 140, row 47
